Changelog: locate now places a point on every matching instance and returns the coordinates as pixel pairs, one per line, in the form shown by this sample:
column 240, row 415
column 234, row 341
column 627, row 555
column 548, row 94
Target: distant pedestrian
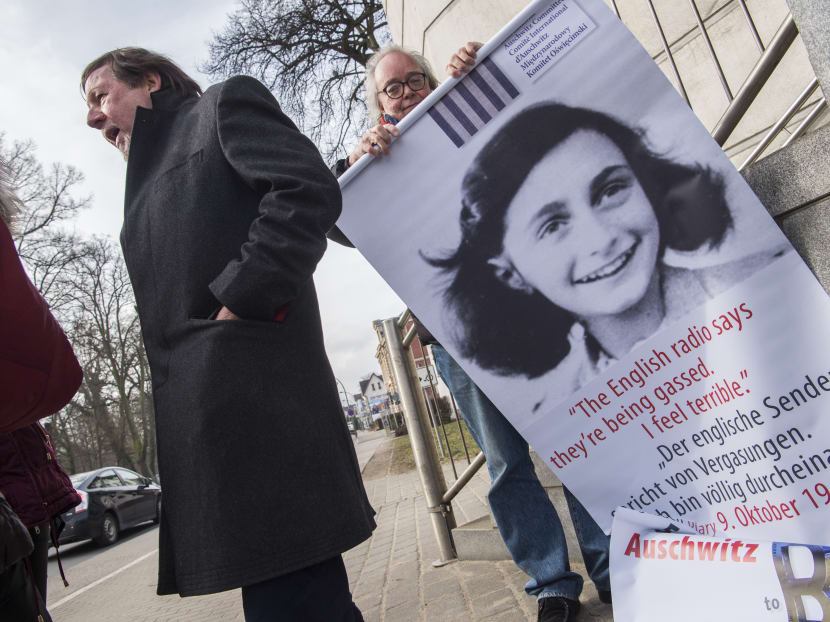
column 226, row 209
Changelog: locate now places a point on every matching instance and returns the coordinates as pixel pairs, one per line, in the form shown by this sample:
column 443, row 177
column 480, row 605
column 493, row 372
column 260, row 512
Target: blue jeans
column 526, row 518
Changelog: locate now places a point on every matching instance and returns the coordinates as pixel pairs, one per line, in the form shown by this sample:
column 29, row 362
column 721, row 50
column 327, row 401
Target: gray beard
column 126, row 151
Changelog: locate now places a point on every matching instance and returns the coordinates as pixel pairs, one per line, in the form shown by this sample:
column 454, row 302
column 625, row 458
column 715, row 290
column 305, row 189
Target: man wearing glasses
column 399, row 80
column 396, row 82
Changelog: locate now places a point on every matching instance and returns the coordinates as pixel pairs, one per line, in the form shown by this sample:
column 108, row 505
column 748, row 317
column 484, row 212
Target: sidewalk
column 391, row 575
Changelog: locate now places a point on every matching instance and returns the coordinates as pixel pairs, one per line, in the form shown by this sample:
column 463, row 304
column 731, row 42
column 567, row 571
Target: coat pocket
column 210, row 322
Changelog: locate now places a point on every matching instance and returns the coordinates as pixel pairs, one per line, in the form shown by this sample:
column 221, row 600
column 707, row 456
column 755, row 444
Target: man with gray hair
column 226, row 209
column 397, row 81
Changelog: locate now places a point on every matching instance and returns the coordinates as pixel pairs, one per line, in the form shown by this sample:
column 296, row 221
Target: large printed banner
column 654, row 563
column 570, row 232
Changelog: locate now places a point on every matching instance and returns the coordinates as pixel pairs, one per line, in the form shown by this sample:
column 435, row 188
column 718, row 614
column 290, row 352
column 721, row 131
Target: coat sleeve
column 335, row 234
column 300, row 201
column 39, row 373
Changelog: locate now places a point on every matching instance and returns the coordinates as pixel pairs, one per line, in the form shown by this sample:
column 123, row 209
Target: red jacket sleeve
column 39, row 373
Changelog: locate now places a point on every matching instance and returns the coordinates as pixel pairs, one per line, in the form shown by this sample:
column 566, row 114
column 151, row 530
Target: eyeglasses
column 415, row 82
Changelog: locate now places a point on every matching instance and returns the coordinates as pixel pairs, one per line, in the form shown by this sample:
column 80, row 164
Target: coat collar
column 169, row 99
column 149, row 122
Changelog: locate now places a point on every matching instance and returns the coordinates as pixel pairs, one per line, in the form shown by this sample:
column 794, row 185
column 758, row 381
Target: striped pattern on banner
column 473, row 102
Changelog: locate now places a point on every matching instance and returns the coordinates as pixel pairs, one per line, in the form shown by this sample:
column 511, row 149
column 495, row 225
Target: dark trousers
column 319, row 593
column 17, row 596
column 40, row 556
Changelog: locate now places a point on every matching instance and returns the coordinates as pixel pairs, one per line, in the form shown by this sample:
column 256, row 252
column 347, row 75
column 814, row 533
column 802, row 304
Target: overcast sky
column 43, row 48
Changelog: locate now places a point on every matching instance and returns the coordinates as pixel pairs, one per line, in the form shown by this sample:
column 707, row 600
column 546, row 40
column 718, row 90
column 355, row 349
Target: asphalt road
column 118, row 582
column 79, row 552
column 90, row 570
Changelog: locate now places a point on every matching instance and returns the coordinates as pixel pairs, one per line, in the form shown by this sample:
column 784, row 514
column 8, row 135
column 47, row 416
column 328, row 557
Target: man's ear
column 152, row 81
column 507, row 274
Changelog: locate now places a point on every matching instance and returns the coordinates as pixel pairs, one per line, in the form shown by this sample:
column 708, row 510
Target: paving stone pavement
column 391, row 575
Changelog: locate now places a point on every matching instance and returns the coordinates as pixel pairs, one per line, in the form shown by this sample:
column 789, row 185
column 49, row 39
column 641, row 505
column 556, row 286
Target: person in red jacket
column 39, row 374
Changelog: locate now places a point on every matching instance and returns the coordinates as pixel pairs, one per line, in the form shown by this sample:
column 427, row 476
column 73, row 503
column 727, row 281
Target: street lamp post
column 346, row 394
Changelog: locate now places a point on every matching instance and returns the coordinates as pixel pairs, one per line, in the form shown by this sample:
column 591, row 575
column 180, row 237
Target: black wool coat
column 228, row 204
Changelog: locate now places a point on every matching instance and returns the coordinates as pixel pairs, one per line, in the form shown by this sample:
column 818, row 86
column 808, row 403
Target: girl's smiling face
column 581, row 230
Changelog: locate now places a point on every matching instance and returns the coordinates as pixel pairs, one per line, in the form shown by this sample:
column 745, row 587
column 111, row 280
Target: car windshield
column 78, row 478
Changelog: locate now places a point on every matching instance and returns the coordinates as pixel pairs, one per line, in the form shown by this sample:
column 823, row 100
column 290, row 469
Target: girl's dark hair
column 130, row 65
column 511, row 332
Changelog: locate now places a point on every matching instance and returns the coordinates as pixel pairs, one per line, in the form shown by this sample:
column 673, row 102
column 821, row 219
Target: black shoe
column 557, row 609
column 605, row 596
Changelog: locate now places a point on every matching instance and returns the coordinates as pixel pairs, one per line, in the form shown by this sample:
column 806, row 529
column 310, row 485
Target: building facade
column 374, row 396
column 428, row 378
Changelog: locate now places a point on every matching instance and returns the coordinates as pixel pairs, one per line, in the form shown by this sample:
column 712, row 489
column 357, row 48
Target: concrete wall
column 438, row 27
column 794, row 184
column 813, row 19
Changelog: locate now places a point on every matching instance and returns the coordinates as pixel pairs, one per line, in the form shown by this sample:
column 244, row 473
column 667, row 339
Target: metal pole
column 709, row 45
column 432, row 418
column 438, row 411
column 781, row 123
column 752, row 86
column 409, row 337
column 432, row 407
column 457, row 418
column 346, row 394
column 426, row 458
column 402, row 319
column 466, row 476
column 667, row 49
column 460, row 429
column 808, row 120
column 752, row 27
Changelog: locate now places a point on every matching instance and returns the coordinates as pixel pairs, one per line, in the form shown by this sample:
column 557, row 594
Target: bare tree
column 77, row 441
column 115, row 395
column 85, row 281
column 50, row 201
column 312, row 53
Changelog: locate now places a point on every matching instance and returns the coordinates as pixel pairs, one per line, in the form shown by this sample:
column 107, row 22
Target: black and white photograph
column 576, row 232
column 580, row 246
column 545, row 222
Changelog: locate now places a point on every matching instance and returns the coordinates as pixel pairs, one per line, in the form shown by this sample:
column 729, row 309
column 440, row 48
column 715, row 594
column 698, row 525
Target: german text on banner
column 569, row 231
